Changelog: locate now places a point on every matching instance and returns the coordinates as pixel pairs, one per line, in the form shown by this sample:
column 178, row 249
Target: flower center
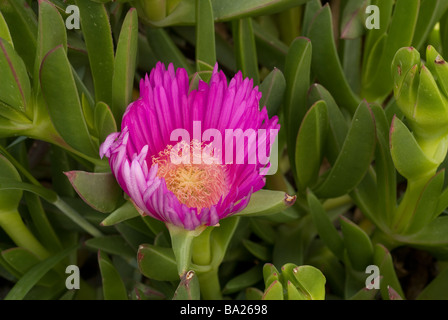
column 195, row 177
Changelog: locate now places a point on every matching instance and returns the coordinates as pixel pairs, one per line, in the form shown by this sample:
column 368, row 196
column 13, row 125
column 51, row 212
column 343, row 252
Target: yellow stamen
column 197, row 185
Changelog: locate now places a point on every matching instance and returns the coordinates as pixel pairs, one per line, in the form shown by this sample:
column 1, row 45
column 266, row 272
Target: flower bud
column 421, row 94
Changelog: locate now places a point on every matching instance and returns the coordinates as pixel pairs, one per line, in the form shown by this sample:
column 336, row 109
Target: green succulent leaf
column 311, row 143
column 297, row 75
column 16, row 89
column 409, row 159
column 99, row 190
column 51, row 33
column 325, row 62
column 104, row 121
column 22, row 260
column 188, row 288
column 4, row 31
column 273, row 88
column 358, row 245
column 244, row 280
column 157, row 263
column 122, row 213
column 354, row 159
column 383, row 259
column 205, row 37
column 325, row 228
column 61, row 97
column 267, row 202
column 98, row 37
column 113, row 286
column 245, row 49
column 22, row 24
column 124, row 65
column 32, row 277
column 274, row 291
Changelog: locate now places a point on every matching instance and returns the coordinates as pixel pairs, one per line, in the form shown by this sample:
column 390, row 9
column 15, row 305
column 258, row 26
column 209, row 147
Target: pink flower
column 208, row 185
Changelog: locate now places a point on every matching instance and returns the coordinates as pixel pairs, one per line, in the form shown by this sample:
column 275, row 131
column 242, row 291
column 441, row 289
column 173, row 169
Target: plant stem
column 331, row 204
column 181, row 242
column 13, row 225
column 407, row 206
column 76, row 217
column 209, row 284
column 201, row 252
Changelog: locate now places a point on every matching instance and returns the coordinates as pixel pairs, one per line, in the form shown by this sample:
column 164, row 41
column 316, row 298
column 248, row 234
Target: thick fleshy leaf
column 16, row 89
column 22, row 25
column 311, row 8
column 274, row 291
column 258, row 250
column 113, row 286
column 352, row 22
column 145, row 292
column 358, row 245
column 310, row 144
column 433, row 238
column 254, row 294
column 383, row 259
column 425, row 209
column 267, row 202
column 4, row 30
column 157, row 263
column 184, row 12
column 245, row 50
column 122, row 213
column 293, row 293
column 22, row 260
column 188, row 288
column 98, row 37
column 51, row 33
column 408, row 157
column 9, row 199
column 384, row 166
column 365, row 294
column 165, row 49
column 114, row 244
column 297, row 75
column 61, row 97
column 99, row 190
column 32, row 277
column 270, row 274
column 271, row 52
column 205, row 37
column 104, row 121
column 325, row 228
column 377, row 81
column 273, row 88
column 325, row 62
column 429, row 14
column 354, row 159
column 124, row 66
column 338, row 126
column 244, row 280
column 311, row 281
